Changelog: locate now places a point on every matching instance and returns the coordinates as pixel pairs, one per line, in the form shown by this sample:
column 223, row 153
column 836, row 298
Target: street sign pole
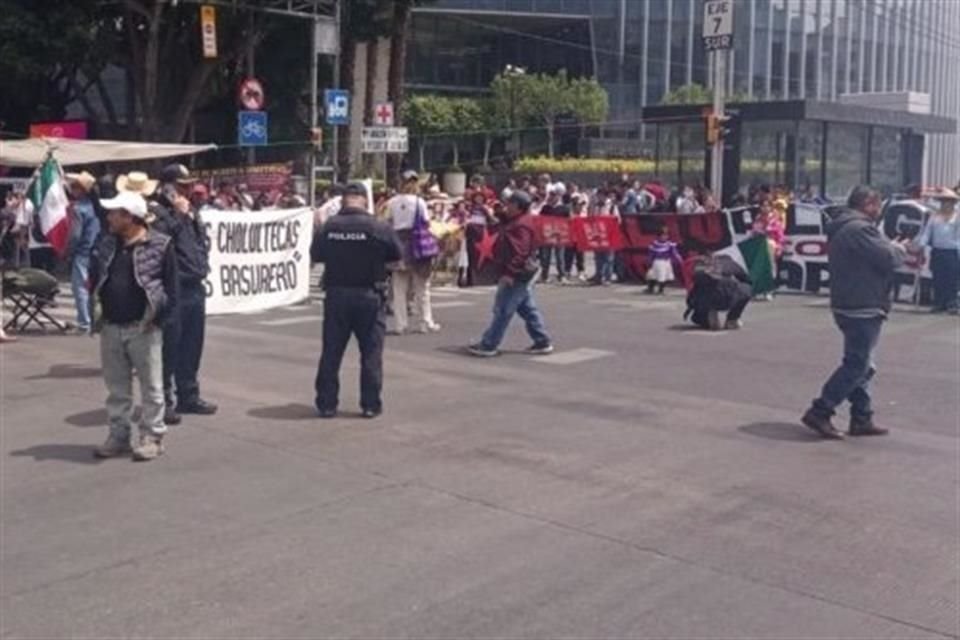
column 314, row 112
column 719, row 90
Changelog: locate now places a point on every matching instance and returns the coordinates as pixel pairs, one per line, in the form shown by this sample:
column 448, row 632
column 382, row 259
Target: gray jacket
column 862, row 265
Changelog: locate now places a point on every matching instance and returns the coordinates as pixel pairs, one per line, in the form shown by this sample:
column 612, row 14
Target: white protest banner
column 258, row 259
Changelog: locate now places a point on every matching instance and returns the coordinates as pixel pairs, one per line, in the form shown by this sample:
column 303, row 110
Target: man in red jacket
column 517, row 258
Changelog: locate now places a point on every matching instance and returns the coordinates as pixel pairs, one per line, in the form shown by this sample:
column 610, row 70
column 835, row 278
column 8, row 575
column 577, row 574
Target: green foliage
column 545, row 164
column 538, row 99
column 689, row 94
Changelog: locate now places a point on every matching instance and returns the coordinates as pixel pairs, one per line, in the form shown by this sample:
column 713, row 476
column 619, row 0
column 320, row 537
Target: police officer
column 355, row 249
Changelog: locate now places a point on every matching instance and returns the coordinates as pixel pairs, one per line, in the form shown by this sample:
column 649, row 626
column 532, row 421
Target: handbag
column 423, row 244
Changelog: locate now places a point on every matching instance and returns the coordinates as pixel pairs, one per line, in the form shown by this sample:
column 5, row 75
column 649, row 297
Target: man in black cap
column 355, row 249
column 516, row 255
column 184, row 335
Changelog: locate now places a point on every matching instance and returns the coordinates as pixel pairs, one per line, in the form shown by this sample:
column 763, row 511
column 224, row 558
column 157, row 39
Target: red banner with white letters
column 597, row 233
column 553, row 231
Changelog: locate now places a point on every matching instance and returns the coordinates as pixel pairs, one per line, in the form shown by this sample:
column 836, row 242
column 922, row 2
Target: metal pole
column 719, row 86
column 314, row 112
column 251, row 71
column 335, row 159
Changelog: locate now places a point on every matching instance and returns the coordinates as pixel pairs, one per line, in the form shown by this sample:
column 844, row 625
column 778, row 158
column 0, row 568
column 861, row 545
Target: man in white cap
column 134, row 273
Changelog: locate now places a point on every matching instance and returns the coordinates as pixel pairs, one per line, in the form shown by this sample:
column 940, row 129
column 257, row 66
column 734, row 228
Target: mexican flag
column 49, row 196
column 755, row 256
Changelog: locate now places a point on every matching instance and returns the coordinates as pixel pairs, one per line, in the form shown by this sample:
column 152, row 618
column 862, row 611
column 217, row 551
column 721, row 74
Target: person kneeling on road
column 134, row 273
column 517, row 258
column 719, row 284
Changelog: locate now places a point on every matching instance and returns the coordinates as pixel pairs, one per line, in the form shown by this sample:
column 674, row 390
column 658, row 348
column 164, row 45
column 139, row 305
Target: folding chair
column 30, row 292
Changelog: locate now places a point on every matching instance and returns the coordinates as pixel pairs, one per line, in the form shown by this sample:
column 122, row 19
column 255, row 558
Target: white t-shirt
column 402, row 210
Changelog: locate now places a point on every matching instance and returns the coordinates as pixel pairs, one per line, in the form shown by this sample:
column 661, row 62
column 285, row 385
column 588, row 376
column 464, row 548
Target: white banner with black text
column 259, row 260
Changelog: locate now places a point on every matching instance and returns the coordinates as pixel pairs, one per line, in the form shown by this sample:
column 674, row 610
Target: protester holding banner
column 517, row 261
column 554, row 207
column 408, row 214
column 355, row 249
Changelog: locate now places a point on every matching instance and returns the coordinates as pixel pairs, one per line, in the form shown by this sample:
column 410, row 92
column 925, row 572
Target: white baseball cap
column 129, row 201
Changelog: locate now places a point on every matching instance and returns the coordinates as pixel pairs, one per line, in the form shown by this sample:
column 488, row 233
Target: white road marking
column 573, row 356
column 450, row 304
column 281, row 322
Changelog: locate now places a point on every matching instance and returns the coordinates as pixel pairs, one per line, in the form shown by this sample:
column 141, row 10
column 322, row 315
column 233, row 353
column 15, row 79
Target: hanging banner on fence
column 597, row 233
column 554, row 231
column 257, row 177
column 258, row 259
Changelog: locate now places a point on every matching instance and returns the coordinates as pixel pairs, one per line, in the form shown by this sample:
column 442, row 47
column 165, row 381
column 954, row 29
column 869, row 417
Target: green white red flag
column 49, row 196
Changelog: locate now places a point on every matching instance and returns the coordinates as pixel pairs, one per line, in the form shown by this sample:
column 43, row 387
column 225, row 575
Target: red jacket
column 517, row 248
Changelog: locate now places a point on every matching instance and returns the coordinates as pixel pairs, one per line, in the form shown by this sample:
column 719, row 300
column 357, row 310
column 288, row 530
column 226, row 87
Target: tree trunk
column 348, row 60
column 456, row 155
column 151, row 75
column 487, row 144
column 422, row 148
column 395, row 74
column 550, row 132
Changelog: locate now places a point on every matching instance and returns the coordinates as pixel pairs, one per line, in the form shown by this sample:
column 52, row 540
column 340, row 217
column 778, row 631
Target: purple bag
column 423, row 244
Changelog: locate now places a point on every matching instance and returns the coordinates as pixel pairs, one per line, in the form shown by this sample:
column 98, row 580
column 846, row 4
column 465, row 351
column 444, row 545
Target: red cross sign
column 383, row 114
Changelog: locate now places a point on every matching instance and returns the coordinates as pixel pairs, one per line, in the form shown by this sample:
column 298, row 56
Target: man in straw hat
column 942, row 235
column 134, row 273
column 84, row 230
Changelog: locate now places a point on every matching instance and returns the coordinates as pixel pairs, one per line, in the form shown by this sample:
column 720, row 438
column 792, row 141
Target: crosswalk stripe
column 450, row 304
column 573, row 356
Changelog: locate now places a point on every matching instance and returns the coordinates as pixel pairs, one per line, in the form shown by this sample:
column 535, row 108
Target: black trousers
column 183, row 338
column 945, row 267
column 357, row 312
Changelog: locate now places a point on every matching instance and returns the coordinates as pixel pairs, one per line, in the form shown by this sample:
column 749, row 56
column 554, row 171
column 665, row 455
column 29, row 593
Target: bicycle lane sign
column 252, row 128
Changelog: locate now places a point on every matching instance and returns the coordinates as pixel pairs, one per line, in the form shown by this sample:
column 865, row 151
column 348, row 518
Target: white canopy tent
column 68, row 152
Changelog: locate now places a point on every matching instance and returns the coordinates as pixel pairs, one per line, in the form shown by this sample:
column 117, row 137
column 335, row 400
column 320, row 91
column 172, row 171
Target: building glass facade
column 642, row 49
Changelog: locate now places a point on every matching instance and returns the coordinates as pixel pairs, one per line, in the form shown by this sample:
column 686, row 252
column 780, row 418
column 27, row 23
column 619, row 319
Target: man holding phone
column 862, row 267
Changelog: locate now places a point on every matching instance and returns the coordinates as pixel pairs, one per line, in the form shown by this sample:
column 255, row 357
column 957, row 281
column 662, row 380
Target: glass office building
column 784, row 50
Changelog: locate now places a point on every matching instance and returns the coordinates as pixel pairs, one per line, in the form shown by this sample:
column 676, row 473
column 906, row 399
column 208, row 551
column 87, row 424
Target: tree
column 466, row 118
column 541, row 98
column 492, row 120
column 425, row 116
column 589, row 101
column 50, row 55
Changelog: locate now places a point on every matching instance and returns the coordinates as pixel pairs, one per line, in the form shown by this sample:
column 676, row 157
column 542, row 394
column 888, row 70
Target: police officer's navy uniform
column 355, row 248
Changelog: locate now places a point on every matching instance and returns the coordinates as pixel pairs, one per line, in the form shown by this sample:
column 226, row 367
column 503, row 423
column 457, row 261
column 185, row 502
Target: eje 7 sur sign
column 717, row 24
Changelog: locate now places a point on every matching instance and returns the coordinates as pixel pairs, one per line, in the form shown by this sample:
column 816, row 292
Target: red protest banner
column 554, row 232
column 597, row 233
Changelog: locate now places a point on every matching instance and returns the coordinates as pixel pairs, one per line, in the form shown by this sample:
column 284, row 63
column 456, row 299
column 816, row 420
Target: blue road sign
column 337, row 102
column 252, row 128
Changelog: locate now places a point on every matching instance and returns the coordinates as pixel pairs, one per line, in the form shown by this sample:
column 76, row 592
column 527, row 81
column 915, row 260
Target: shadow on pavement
column 92, row 418
column 687, row 327
column 784, row 431
column 291, row 411
column 67, row 371
column 80, row 453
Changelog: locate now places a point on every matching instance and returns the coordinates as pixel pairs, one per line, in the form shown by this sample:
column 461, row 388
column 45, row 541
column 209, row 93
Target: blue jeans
column 603, row 261
column 515, row 299
column 79, row 272
column 851, row 380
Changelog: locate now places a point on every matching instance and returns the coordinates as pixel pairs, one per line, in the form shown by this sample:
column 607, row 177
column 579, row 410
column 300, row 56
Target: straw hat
column 84, row 179
column 944, row 193
column 138, row 182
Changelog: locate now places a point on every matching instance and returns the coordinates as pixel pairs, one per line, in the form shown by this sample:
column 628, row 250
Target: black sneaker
column 865, row 427
column 480, row 351
column 326, row 414
column 540, row 349
column 198, row 407
column 823, row 426
column 170, row 416
column 370, row 414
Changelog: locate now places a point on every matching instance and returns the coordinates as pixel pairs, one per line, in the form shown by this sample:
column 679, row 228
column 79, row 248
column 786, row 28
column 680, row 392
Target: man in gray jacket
column 862, row 266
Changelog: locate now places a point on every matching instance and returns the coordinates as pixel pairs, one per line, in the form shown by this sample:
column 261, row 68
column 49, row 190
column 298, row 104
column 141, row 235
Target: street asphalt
column 645, row 481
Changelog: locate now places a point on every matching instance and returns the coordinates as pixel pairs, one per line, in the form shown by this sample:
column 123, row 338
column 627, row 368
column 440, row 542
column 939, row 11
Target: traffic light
column 316, row 137
column 716, row 128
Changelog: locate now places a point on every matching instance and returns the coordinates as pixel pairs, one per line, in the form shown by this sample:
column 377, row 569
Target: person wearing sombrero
column 942, row 235
column 84, row 230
